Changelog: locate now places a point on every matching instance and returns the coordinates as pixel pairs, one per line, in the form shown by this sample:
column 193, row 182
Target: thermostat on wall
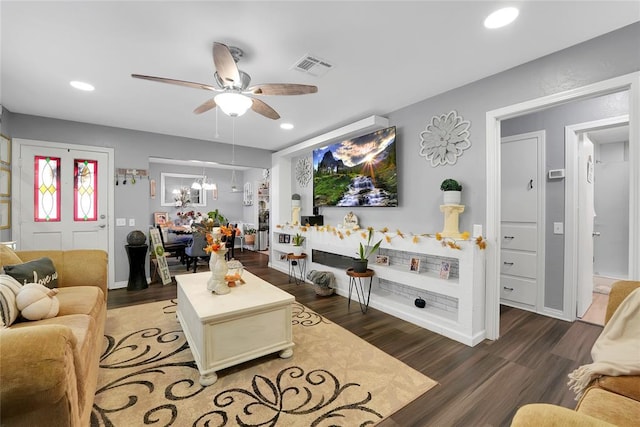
column 556, row 174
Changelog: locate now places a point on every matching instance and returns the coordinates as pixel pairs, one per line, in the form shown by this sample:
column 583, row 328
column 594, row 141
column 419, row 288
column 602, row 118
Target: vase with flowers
column 216, row 248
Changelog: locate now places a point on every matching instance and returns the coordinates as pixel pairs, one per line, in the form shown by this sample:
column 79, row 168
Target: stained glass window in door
column 46, row 190
column 85, row 190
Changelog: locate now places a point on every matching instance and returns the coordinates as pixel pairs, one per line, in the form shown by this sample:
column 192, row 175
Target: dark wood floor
column 478, row 386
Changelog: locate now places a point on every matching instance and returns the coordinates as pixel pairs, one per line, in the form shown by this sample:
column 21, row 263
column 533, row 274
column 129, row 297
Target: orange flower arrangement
column 215, row 243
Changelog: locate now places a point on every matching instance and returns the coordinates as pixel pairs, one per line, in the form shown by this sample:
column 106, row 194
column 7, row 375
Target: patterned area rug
column 148, row 376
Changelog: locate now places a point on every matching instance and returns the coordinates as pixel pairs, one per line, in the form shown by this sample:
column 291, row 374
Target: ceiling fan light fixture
column 233, row 104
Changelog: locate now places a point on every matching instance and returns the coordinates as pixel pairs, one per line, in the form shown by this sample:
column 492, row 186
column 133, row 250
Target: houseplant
column 452, row 191
column 250, row 236
column 296, row 241
column 217, row 217
column 360, row 264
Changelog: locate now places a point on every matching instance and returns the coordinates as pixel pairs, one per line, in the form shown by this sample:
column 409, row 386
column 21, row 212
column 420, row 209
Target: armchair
column 609, row 400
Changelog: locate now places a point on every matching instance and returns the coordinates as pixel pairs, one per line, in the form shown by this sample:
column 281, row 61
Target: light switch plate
column 121, row 222
column 558, row 228
column 132, row 222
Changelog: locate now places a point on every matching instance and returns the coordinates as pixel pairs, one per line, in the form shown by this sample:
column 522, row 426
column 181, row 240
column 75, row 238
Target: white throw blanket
column 617, row 350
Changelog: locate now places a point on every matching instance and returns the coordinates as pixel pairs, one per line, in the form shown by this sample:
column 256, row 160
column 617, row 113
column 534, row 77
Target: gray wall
column 132, row 150
column 605, row 57
column 553, row 121
column 610, row 55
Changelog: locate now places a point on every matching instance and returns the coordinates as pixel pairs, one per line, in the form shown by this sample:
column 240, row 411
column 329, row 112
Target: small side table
column 299, row 261
column 356, row 281
column 137, row 276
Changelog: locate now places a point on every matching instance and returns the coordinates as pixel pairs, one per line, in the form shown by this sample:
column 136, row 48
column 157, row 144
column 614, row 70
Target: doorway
column 62, row 197
column 630, row 82
column 602, row 149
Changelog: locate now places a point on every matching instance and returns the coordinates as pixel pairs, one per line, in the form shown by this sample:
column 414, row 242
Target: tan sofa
column 49, row 368
column 609, row 401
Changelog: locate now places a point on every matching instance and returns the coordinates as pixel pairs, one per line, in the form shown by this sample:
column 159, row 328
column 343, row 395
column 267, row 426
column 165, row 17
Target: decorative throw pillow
column 9, row 288
column 39, row 270
column 36, row 301
column 8, row 256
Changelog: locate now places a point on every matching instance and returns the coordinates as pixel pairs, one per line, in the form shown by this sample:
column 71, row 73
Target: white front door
column 586, row 215
column 62, row 197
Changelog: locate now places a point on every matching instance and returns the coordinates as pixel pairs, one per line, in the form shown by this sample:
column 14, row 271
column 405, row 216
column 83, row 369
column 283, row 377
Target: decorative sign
column 158, row 250
column 350, row 221
column 444, row 139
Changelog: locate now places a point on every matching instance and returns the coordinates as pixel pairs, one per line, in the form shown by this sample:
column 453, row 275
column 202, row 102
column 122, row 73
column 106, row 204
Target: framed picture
column 160, row 218
column 382, row 260
column 414, row 265
column 445, row 266
column 287, row 238
column 280, row 238
column 5, row 150
column 5, row 181
column 5, row 214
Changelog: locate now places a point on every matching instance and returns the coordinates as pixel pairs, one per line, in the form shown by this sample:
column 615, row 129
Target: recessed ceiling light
column 82, row 86
column 501, row 17
column 287, row 126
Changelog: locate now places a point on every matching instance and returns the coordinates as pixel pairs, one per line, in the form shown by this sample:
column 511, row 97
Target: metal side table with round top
column 358, row 281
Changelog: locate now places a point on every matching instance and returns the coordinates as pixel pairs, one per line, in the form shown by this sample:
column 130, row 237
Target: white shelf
column 424, row 280
column 466, row 324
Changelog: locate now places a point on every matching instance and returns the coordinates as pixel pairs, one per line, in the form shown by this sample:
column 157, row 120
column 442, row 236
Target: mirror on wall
column 175, row 190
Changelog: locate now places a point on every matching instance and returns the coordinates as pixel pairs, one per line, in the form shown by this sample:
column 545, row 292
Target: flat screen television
column 357, row 172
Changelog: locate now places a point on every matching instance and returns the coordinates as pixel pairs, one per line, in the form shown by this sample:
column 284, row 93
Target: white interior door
column 586, row 215
column 69, row 208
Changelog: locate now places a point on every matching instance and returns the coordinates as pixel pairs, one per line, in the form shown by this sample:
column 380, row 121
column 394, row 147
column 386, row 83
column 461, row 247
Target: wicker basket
column 322, row 291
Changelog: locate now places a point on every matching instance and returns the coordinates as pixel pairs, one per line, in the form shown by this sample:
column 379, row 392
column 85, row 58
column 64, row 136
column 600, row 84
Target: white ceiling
column 387, row 55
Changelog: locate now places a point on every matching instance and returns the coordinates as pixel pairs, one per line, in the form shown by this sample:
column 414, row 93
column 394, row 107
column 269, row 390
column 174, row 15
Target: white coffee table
column 253, row 320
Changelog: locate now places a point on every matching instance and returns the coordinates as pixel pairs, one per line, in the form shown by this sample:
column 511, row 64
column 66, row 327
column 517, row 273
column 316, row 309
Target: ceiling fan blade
column 176, row 82
column 282, row 89
column 206, row 106
column 262, row 108
column 225, row 64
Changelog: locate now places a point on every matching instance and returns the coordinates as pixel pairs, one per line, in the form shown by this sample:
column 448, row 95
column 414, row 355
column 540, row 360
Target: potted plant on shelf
column 250, row 236
column 296, row 241
column 360, row 264
column 452, row 191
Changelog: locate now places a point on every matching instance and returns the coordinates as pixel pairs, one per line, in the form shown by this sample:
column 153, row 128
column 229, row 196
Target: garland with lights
column 452, row 243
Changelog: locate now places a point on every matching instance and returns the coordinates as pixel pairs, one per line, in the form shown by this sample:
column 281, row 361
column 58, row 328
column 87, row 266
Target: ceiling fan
column 235, row 97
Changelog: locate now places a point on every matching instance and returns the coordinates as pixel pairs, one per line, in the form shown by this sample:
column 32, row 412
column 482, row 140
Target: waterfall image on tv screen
column 357, row 172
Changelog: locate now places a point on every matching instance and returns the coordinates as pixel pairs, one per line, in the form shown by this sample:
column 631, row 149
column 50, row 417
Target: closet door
column 521, row 265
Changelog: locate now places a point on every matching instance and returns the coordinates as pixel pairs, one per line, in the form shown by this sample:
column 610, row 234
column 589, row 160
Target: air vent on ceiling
column 313, row 65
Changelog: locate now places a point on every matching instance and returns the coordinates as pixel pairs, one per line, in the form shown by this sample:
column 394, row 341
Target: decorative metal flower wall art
column 444, row 139
column 303, row 171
